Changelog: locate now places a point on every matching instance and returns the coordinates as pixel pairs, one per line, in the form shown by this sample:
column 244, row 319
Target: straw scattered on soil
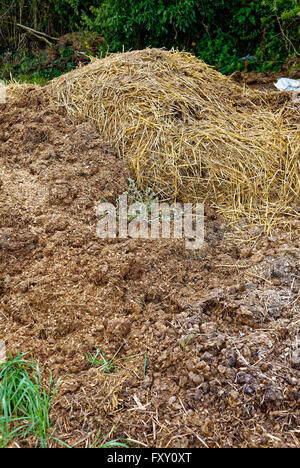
column 192, row 134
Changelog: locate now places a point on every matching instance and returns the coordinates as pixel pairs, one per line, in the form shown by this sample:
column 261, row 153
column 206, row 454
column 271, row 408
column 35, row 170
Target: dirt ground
column 264, row 81
column 214, row 333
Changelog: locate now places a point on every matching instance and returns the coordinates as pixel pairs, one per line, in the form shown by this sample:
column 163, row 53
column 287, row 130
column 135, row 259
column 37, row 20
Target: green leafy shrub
column 229, row 34
column 38, row 67
column 220, row 32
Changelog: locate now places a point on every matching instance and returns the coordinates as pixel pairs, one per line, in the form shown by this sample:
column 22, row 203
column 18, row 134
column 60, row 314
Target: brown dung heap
column 202, row 346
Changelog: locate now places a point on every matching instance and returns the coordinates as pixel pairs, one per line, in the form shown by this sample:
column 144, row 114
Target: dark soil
column 216, row 331
column 264, row 81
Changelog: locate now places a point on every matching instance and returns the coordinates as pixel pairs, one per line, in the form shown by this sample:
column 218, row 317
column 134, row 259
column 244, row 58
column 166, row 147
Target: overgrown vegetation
column 220, row 32
column 229, row 34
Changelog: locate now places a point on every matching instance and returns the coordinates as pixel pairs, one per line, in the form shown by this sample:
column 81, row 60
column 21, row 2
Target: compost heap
column 202, row 346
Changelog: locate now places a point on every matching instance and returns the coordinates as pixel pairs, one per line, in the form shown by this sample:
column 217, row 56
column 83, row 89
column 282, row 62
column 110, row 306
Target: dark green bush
column 221, row 32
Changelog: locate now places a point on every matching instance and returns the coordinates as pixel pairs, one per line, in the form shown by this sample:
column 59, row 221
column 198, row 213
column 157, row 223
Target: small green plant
column 145, row 364
column 135, row 194
column 103, row 442
column 24, row 402
column 185, row 343
column 107, row 366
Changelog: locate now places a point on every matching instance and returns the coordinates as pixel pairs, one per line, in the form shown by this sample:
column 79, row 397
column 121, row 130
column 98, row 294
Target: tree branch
column 39, row 35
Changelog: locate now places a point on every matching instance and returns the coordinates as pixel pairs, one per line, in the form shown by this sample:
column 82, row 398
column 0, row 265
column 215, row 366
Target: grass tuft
column 24, row 402
column 107, row 366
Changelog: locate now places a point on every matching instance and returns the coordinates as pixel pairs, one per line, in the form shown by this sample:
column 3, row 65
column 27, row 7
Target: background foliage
column 229, row 34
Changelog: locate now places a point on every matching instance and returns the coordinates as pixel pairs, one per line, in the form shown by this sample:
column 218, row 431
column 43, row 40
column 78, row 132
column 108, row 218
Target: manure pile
column 192, row 134
column 203, row 345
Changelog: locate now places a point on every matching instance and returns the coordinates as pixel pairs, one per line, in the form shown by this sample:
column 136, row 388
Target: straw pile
column 190, row 133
